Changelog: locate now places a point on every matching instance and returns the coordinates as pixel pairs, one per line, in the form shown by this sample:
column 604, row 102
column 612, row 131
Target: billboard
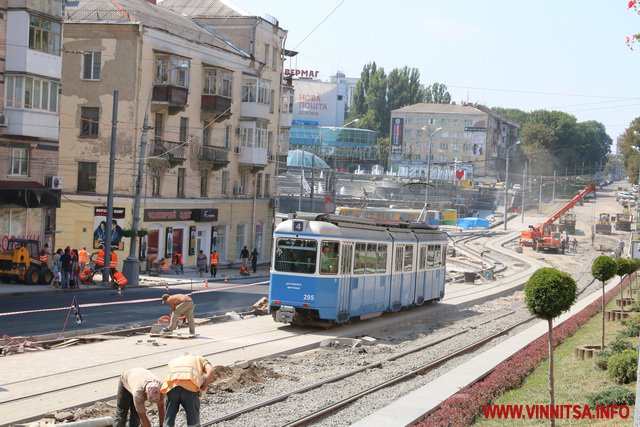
column 318, row 101
column 100, row 227
column 397, row 129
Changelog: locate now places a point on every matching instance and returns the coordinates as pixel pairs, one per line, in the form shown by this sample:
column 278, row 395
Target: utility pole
column 524, row 188
column 106, row 270
column 540, row 197
column 553, row 193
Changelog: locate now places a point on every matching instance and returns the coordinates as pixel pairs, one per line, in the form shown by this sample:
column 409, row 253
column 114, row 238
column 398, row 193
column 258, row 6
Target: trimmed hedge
column 622, row 366
column 463, row 407
column 614, row 395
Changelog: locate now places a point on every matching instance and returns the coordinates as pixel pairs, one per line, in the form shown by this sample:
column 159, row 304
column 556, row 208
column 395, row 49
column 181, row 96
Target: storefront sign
column 198, row 215
column 301, row 73
column 100, row 227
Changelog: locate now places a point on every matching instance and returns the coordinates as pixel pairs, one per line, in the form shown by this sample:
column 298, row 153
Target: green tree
column 436, row 93
column 548, row 293
column 603, row 269
column 624, row 267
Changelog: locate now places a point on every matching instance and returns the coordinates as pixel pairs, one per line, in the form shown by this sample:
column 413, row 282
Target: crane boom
column 570, row 204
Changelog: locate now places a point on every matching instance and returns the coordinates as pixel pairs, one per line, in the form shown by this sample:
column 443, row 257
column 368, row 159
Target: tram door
column 344, row 286
column 396, row 277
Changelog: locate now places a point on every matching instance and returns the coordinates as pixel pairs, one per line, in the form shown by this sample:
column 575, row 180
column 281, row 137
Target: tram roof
column 345, row 221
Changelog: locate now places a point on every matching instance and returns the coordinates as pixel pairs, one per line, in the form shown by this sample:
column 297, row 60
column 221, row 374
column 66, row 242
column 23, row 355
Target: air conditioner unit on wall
column 54, row 182
column 3, row 120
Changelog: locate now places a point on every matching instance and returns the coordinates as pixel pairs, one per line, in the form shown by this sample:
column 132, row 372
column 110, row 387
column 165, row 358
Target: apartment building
column 209, row 164
column 30, row 67
column 466, row 137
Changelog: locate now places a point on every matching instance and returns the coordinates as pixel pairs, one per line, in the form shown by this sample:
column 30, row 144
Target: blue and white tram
column 328, row 268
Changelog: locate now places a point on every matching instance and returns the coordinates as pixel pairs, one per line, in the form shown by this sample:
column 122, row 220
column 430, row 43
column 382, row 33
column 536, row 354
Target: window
column 44, row 35
column 243, row 182
column 158, row 129
column 329, row 256
column 172, row 70
column 296, row 256
column 408, row 258
column 455, row 147
column 184, row 127
column 224, row 185
column 262, row 135
column 89, row 117
column 267, row 49
column 264, row 92
column 91, row 65
column 206, row 134
column 217, row 82
column 155, row 182
column 431, row 121
column 227, row 136
column 249, row 90
column 274, row 58
column 87, row 177
column 271, row 98
column 31, row 93
column 444, row 146
column 221, row 243
column 445, row 122
column 259, row 185
column 468, row 123
column 204, row 181
column 267, row 183
column 19, row 161
column 287, row 102
column 181, row 178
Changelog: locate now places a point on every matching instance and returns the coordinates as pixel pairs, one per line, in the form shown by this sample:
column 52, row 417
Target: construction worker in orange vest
column 83, row 258
column 44, row 257
column 113, row 263
column 99, row 261
column 177, row 261
column 214, row 261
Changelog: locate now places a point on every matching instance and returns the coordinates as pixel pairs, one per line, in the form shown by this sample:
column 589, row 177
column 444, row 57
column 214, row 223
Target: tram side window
column 296, row 256
column 444, row 254
column 423, row 258
column 437, row 256
column 360, row 258
column 430, row 256
column 397, row 267
column 372, row 258
column 329, row 257
column 408, row 258
column 382, row 258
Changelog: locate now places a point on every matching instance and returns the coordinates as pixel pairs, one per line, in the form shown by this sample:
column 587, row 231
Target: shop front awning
column 28, row 194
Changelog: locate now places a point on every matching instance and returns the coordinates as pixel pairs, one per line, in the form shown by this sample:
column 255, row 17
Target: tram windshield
column 296, row 256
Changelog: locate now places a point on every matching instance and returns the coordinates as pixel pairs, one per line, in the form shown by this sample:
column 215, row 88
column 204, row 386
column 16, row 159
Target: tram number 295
column 308, row 297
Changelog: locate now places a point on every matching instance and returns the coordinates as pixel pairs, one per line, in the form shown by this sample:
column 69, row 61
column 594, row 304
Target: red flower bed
column 463, row 407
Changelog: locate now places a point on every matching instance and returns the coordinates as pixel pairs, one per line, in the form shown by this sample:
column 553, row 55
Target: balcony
column 169, row 153
column 213, row 158
column 252, row 157
column 254, row 110
column 214, row 107
column 174, row 97
column 286, row 119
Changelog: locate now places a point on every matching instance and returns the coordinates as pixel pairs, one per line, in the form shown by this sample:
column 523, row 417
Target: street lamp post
column 131, row 265
column 426, row 188
column 506, row 185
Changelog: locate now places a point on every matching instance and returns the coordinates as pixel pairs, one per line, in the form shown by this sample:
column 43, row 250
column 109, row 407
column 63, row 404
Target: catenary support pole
column 106, row 271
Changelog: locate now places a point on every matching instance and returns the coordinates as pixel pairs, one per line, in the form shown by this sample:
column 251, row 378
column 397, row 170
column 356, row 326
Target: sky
column 559, row 55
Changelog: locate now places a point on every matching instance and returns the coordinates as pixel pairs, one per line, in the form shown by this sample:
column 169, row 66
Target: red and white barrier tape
column 135, row 301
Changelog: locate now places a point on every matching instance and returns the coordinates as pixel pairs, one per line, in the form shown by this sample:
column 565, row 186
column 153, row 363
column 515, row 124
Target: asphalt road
column 136, row 306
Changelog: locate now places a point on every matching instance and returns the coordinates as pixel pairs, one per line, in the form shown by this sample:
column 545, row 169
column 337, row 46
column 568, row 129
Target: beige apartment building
column 465, row 137
column 213, row 113
column 30, row 65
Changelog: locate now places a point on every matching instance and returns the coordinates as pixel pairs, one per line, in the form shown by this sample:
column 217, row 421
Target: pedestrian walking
column 254, row 259
column 136, row 386
column 65, row 265
column 177, row 263
column 214, row 261
column 57, row 269
column 244, row 256
column 188, row 376
column 180, row 305
column 575, row 245
column 593, row 239
column 201, row 263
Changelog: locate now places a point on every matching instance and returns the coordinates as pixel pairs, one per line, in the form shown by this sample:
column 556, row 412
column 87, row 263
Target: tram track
column 332, row 407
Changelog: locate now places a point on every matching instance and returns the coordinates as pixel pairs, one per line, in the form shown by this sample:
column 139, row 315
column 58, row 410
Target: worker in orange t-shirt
column 83, row 258
column 177, row 262
column 214, row 261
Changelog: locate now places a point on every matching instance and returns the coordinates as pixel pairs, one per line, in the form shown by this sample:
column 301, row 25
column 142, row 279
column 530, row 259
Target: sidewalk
column 190, row 277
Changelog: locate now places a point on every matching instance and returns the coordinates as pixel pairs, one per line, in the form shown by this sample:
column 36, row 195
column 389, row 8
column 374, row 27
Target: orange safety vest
column 178, row 258
column 100, row 259
column 83, row 256
column 113, row 263
column 120, row 279
column 214, row 259
column 44, row 258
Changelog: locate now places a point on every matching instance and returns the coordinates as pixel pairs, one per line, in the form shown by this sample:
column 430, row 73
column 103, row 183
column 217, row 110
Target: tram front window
column 296, row 256
column 329, row 257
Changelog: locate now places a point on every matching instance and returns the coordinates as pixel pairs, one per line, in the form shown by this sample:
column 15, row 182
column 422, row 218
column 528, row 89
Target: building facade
column 213, row 116
column 30, row 48
column 462, row 137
